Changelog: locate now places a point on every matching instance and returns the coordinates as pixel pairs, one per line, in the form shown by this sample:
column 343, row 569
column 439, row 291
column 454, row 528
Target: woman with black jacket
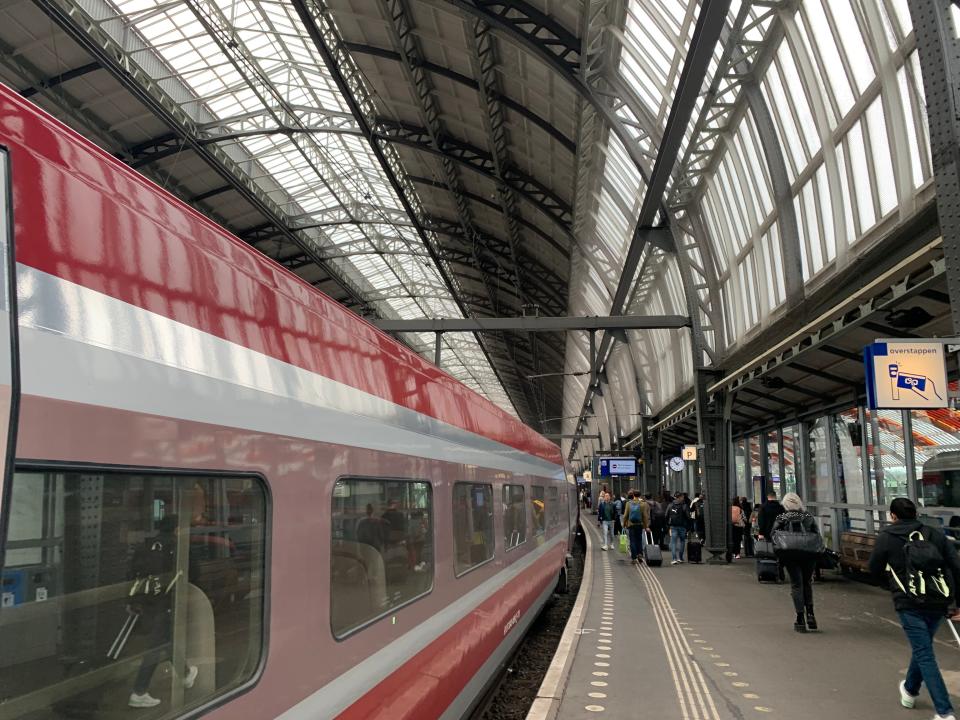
column 799, row 565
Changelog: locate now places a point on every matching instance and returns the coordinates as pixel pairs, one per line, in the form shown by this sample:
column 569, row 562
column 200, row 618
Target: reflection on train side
column 117, row 583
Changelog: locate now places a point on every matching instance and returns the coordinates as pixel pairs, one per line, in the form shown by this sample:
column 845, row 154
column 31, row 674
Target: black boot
column 811, row 620
column 799, row 625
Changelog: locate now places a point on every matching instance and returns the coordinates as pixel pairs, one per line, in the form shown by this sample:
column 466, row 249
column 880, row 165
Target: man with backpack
column 636, row 519
column 922, row 568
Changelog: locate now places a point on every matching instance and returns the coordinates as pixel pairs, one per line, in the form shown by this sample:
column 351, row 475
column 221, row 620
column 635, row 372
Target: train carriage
column 226, row 494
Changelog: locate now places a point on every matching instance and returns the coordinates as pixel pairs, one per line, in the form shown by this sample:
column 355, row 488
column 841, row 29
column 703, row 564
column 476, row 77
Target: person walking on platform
column 677, row 519
column 658, row 518
column 769, row 512
column 798, row 543
column 737, row 523
column 922, row 570
column 636, row 520
column 608, row 512
column 747, row 510
column 618, row 503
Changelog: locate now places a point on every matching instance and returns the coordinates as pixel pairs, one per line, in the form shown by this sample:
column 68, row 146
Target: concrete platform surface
column 707, row 642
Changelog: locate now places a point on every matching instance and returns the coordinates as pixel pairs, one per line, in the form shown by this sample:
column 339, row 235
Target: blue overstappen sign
column 905, row 375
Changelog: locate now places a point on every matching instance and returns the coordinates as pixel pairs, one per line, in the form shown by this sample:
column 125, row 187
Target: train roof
column 134, row 241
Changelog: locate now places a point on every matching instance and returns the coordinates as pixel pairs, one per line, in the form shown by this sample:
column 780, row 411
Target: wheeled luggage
column 767, row 570
column 651, row 551
column 695, row 549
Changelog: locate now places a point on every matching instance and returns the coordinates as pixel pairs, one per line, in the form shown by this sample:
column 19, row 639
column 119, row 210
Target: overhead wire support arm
column 535, row 324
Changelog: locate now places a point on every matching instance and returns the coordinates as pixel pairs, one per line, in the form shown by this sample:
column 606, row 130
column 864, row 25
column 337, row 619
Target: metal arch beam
column 400, row 27
column 710, row 23
column 480, row 200
column 560, row 50
column 469, row 82
column 546, row 295
column 535, row 324
column 105, row 51
column 351, row 84
column 530, row 189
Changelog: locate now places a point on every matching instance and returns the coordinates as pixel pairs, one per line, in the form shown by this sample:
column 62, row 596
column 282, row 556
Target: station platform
column 708, row 642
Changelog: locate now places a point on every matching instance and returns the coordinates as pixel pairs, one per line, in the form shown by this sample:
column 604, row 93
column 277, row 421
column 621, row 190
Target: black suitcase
column 767, row 570
column 763, row 549
column 651, row 551
column 695, row 550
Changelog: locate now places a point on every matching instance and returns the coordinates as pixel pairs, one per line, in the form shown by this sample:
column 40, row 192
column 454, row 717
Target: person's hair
column 735, row 501
column 630, row 494
column 903, row 508
column 792, row 501
column 772, row 495
column 369, row 508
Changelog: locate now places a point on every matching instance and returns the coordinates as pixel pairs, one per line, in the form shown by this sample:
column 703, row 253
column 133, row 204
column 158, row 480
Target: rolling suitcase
column 763, row 549
column 651, row 551
column 695, row 549
column 767, row 570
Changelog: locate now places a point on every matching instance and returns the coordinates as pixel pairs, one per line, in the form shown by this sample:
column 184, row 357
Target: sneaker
column 603, row 547
column 906, row 699
column 191, row 677
column 951, row 716
column 674, row 562
column 142, row 701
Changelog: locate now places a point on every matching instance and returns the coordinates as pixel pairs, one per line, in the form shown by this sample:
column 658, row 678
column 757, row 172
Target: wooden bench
column 855, row 550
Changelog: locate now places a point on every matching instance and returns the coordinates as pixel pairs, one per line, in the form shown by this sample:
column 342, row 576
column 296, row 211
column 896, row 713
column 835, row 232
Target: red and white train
column 229, row 496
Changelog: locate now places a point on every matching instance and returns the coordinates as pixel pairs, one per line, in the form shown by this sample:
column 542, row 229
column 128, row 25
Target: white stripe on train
column 83, row 346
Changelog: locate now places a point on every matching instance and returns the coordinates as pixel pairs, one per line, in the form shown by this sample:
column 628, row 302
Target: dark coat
column 769, row 512
column 889, row 551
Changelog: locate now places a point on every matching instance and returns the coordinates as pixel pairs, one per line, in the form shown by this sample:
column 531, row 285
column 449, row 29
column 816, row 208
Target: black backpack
column 927, row 581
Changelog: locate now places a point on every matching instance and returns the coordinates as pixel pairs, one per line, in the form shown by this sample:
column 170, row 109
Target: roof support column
column 940, row 66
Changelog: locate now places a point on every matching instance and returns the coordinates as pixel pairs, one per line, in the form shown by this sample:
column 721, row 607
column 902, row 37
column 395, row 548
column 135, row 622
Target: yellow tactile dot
column 594, row 708
column 760, row 708
column 597, row 695
column 598, row 683
column 740, row 684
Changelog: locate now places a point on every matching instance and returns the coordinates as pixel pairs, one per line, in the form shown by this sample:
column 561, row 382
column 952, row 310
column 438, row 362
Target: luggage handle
column 953, row 629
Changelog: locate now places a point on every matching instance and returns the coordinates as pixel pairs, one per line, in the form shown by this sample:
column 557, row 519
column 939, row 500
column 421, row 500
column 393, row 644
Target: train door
column 9, row 357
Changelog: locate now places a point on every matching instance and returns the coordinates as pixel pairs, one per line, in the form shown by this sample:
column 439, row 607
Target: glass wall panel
column 756, row 470
column 773, row 463
column 790, row 434
column 888, row 464
column 740, row 466
column 849, row 441
column 819, row 478
column 125, row 582
column 936, row 449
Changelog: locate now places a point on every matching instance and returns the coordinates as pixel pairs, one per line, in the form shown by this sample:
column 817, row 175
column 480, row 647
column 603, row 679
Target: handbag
column 795, row 541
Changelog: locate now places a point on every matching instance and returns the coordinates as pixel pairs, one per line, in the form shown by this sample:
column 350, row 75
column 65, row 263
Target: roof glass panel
column 271, row 74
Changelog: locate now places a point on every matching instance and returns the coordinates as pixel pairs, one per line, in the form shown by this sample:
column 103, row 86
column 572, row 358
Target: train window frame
column 493, row 549
column 525, row 514
column 393, row 609
column 32, row 465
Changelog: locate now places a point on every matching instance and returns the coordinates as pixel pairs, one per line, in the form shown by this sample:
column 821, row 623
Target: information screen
column 618, row 466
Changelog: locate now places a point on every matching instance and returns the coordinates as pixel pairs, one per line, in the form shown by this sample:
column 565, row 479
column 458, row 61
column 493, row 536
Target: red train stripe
column 85, row 217
column 426, row 685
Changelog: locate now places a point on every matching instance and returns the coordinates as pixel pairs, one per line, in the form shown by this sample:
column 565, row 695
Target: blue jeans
column 920, row 628
column 607, row 533
column 678, row 541
column 636, row 541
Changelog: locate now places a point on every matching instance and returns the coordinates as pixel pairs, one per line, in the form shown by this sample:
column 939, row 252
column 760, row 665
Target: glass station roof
column 273, row 78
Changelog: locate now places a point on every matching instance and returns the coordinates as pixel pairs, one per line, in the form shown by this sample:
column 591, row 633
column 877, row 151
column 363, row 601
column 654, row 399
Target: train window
column 538, row 509
column 553, row 508
column 473, row 535
column 514, row 516
column 130, row 590
column 382, row 549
